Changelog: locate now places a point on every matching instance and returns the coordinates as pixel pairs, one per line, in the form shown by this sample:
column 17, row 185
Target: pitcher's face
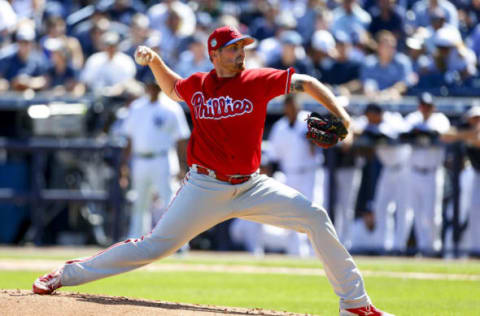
column 231, row 58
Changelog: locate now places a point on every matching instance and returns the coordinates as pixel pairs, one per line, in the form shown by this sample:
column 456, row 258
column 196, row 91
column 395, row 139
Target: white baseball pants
column 347, row 185
column 203, row 202
column 389, row 199
column 473, row 230
column 425, row 194
column 148, row 176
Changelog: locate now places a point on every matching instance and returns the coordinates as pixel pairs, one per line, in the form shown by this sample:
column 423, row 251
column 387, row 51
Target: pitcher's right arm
column 164, row 76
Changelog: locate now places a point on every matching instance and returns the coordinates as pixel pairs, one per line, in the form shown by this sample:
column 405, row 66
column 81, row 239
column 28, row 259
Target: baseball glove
column 325, row 132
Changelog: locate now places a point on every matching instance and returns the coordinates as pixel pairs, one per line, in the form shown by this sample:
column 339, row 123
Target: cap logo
column 213, row 43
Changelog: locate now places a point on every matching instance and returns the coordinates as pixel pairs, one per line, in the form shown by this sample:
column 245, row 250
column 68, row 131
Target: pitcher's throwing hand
column 144, row 55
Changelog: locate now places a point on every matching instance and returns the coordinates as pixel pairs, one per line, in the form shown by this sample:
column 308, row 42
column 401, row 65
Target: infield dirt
column 23, row 302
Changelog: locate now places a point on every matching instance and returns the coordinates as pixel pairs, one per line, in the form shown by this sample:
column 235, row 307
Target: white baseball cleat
column 369, row 310
column 48, row 283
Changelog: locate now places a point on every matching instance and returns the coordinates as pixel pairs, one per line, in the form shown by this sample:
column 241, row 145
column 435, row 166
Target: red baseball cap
column 226, row 35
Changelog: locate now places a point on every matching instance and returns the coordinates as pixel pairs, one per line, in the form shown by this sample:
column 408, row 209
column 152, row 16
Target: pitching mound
column 22, row 302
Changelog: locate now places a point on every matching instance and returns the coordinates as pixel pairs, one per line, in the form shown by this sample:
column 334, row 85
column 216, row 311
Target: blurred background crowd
column 406, row 183
column 419, row 45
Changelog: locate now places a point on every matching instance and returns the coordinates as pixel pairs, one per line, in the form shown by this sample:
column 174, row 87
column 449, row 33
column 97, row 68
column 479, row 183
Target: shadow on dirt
column 106, row 300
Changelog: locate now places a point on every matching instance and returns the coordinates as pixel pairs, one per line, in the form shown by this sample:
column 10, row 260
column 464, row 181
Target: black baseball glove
column 325, row 132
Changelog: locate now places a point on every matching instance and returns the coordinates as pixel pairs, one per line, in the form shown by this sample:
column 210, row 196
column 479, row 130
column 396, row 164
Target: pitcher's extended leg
column 274, row 203
column 191, row 212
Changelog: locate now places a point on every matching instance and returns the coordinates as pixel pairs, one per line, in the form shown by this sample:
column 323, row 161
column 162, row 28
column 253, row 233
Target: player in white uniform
column 228, row 107
column 389, row 199
column 469, row 183
column 347, row 177
column 473, row 204
column 426, row 180
column 298, row 158
column 154, row 129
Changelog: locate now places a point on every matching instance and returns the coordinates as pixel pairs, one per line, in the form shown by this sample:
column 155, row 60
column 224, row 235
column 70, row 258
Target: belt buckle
column 238, row 180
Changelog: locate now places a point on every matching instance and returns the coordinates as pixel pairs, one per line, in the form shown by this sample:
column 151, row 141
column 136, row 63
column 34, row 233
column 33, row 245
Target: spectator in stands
column 421, row 61
column 344, row 74
column 138, row 34
column 362, row 45
column 22, row 67
column 171, row 36
column 423, row 10
column 61, row 75
column 349, row 18
column 182, row 23
column 195, row 59
column 122, row 11
column 204, row 23
column 8, row 22
column 322, row 52
column 386, row 15
column 307, row 22
column 212, row 7
column 83, row 24
column 108, row 72
column 90, row 36
column 271, row 48
column 56, row 28
column 437, row 21
column 252, row 58
column 387, row 74
column 469, row 13
column 426, row 181
column 265, row 26
column 293, row 54
column 30, row 10
column 453, row 63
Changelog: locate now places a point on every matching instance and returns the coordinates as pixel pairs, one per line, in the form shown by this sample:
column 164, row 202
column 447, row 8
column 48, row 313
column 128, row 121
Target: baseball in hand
column 143, row 55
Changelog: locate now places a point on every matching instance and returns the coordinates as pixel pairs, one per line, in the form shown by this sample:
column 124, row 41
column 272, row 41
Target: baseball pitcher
column 228, row 107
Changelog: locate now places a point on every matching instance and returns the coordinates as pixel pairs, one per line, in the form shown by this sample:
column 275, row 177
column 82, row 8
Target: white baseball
column 143, row 55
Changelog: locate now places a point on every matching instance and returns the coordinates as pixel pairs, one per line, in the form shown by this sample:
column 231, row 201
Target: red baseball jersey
column 228, row 116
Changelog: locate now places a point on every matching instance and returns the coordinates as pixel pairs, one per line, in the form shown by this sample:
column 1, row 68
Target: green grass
column 293, row 293
column 285, row 292
column 468, row 267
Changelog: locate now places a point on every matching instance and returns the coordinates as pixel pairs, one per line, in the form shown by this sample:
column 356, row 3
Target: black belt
column 424, row 170
column 150, row 155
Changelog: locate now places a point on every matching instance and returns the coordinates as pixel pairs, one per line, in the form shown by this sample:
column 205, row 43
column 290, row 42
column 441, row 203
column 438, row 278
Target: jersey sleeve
column 180, row 87
column 185, row 87
column 275, row 82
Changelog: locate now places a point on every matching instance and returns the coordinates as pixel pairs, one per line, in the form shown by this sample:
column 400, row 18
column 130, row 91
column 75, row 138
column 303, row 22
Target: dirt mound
column 22, row 302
